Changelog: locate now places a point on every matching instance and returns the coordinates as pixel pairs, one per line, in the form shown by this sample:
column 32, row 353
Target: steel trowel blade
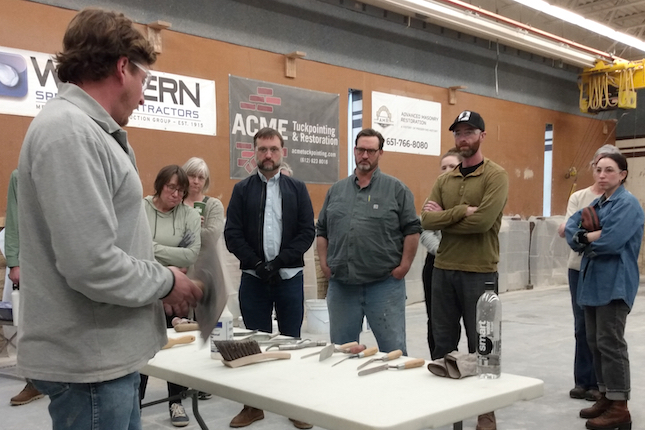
column 326, row 352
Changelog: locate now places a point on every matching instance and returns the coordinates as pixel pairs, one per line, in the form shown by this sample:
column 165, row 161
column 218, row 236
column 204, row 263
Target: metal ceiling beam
column 627, row 17
column 588, row 9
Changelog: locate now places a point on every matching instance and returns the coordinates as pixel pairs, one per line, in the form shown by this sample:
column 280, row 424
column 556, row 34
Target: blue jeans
column 584, row 374
column 382, row 302
column 606, row 337
column 454, row 296
column 257, row 299
column 112, row 405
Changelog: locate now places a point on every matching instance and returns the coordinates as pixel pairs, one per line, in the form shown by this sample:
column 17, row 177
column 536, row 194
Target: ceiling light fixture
column 587, row 24
column 460, row 16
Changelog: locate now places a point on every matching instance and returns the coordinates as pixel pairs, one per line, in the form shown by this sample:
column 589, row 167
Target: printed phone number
column 307, row 160
column 406, row 143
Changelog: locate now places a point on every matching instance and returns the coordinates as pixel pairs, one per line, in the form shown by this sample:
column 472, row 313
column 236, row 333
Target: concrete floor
column 537, row 342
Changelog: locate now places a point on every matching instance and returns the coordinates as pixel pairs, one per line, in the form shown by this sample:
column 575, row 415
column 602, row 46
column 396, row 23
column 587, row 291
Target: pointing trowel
column 417, row 362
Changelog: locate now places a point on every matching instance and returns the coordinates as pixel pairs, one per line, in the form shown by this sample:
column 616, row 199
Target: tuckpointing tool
column 329, row 350
column 387, row 357
column 367, row 353
column 410, row 364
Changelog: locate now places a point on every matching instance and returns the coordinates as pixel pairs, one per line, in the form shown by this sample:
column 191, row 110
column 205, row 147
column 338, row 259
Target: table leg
column 458, row 425
column 195, row 395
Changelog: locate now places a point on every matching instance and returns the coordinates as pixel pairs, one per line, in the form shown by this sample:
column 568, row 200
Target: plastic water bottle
column 223, row 331
column 489, row 328
column 15, row 304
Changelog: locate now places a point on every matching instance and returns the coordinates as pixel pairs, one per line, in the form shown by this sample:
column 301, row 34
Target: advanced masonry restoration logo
column 383, row 117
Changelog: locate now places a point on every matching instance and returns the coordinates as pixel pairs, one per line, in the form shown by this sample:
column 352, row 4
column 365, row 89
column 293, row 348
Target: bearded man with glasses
column 269, row 227
column 368, row 233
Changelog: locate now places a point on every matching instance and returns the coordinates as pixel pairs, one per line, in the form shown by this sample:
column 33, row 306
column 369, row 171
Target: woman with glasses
column 211, row 210
column 176, row 235
column 607, row 286
column 212, row 214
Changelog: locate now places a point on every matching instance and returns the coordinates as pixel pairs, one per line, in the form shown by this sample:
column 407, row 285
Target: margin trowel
column 329, row 350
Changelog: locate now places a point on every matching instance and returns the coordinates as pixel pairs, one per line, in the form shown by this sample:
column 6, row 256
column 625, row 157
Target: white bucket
column 317, row 316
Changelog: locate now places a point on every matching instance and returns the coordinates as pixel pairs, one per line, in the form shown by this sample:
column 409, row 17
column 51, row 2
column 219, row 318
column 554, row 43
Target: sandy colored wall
column 515, row 131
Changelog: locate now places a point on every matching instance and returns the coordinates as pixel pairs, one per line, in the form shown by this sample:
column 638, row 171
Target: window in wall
column 355, row 121
column 548, row 169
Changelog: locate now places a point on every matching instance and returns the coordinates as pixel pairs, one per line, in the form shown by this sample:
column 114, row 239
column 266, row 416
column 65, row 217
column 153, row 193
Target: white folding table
column 336, row 398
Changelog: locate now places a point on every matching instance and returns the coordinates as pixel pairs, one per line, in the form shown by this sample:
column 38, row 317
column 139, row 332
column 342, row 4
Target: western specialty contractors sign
column 172, row 102
column 408, row 125
column 307, row 121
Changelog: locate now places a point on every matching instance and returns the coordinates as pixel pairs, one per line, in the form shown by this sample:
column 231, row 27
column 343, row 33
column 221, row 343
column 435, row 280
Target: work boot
column 578, row 392
column 597, row 409
column 615, row 417
column 592, row 395
column 28, row 394
column 486, row 422
column 248, row 416
column 300, row 424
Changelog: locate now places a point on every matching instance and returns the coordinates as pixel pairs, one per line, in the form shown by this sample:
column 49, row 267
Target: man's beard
column 262, row 168
column 469, row 150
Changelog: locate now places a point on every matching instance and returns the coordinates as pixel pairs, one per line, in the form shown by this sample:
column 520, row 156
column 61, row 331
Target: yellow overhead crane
column 611, row 85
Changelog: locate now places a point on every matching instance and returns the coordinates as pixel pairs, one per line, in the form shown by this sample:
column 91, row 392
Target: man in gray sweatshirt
column 92, row 295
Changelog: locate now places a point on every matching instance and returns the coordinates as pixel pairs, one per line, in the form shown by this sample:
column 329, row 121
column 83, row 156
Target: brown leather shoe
column 486, row 421
column 597, row 409
column 615, row 417
column 28, row 394
column 300, row 424
column 248, row 416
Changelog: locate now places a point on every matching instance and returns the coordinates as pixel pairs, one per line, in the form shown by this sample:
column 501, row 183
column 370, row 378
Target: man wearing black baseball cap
column 466, row 205
column 473, row 119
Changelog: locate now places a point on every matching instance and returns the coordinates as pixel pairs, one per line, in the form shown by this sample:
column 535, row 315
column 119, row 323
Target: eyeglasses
column 148, row 73
column 607, row 170
column 361, row 151
column 274, row 150
column 466, row 133
column 174, row 188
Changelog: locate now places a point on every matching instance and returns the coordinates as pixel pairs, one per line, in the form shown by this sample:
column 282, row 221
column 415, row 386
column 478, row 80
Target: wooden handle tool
column 188, row 338
column 186, row 327
column 410, row 364
column 256, row 358
column 367, row 353
column 393, row 355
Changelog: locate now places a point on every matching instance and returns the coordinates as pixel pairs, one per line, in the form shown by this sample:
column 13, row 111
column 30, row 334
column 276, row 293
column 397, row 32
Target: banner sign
column 408, row 125
column 307, row 121
column 172, row 102
column 177, row 103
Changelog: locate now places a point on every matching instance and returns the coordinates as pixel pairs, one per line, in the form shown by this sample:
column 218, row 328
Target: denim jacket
column 609, row 269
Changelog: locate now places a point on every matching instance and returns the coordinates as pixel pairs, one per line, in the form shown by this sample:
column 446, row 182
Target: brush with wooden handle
column 237, row 353
column 188, row 338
